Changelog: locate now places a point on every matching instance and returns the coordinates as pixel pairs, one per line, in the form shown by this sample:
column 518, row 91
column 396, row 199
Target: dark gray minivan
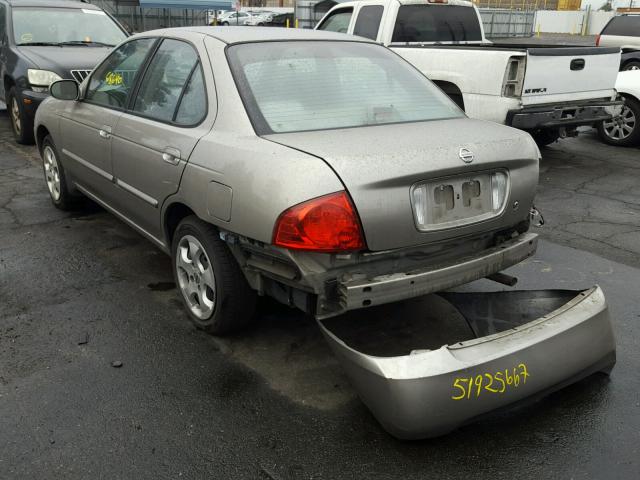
column 42, row 41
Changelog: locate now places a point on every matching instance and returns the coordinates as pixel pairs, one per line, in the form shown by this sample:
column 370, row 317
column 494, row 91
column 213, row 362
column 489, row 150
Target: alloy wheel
column 622, row 126
column 15, row 116
column 52, row 172
column 196, row 278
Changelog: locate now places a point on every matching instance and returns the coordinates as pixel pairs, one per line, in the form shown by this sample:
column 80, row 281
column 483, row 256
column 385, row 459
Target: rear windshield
column 436, row 23
column 627, row 26
column 302, row 86
column 35, row 25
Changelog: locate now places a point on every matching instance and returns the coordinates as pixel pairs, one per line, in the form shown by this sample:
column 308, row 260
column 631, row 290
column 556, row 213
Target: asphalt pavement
column 81, row 291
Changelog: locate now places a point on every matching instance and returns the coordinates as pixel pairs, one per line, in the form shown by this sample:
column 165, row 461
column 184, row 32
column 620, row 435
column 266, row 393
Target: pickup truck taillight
column 513, row 77
column 324, row 224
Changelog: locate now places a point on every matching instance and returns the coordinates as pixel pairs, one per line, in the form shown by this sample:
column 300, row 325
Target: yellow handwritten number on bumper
column 493, row 383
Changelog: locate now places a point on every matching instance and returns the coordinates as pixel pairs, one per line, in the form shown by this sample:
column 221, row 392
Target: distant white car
column 234, row 18
column 624, row 130
column 261, row 19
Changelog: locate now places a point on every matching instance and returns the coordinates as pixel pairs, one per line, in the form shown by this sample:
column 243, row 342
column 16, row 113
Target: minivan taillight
column 325, row 224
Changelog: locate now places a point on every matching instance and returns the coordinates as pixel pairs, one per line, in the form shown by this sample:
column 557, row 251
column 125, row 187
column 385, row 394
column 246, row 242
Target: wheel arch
column 174, row 213
column 41, row 133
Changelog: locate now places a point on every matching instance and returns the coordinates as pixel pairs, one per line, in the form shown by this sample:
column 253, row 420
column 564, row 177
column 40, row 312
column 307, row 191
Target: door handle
column 105, row 131
column 171, row 156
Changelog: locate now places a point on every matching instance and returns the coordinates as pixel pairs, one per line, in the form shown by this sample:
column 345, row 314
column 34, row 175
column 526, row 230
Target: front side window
column 164, row 81
column 368, row 21
column 60, row 26
column 436, row 23
column 111, row 83
column 626, row 26
column 337, row 21
column 302, row 86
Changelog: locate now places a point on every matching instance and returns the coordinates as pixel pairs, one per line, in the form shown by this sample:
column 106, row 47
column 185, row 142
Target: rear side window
column 337, row 21
column 193, row 106
column 436, row 23
column 626, row 26
column 164, row 81
column 368, row 21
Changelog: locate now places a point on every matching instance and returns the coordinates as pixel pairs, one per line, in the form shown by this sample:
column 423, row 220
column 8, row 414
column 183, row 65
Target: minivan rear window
column 436, row 23
column 627, row 26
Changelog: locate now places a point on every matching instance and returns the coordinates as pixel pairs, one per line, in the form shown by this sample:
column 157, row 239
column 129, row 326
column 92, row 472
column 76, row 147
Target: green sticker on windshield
column 26, row 37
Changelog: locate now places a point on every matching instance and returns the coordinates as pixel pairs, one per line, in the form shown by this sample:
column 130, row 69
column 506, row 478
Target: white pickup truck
column 546, row 90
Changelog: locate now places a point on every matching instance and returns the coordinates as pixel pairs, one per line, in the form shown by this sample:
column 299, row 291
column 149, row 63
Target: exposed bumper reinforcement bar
column 382, row 289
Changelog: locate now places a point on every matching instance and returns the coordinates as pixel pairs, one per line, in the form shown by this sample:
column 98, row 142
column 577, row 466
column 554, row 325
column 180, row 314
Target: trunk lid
column 379, row 165
column 583, row 72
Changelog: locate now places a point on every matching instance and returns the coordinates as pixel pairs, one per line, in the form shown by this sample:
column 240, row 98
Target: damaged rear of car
column 431, row 199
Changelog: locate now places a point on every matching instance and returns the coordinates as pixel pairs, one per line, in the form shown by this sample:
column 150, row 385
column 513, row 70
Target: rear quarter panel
column 263, row 178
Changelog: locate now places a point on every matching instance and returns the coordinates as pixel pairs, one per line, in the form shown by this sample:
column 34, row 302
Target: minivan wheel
column 20, row 121
column 632, row 65
column 217, row 296
column 55, row 178
column 623, row 130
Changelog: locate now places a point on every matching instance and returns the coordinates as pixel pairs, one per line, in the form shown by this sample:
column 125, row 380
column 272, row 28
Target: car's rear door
column 87, row 125
column 172, row 108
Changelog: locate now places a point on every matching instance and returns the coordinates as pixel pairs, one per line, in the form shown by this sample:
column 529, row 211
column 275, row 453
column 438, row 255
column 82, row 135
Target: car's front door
column 154, row 138
column 87, row 125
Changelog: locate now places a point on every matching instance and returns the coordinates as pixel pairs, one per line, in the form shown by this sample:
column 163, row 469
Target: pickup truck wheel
column 217, row 296
column 545, row 137
column 623, row 130
column 20, row 121
column 632, row 65
column 55, row 177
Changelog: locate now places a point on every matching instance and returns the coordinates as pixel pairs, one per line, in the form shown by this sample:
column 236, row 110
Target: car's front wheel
column 213, row 288
column 20, row 121
column 622, row 130
column 55, row 177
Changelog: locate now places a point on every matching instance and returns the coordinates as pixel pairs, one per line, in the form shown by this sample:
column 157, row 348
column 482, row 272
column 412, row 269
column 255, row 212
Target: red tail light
column 597, row 40
column 324, row 224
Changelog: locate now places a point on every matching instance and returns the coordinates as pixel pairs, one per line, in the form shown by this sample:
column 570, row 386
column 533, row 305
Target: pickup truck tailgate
column 583, row 72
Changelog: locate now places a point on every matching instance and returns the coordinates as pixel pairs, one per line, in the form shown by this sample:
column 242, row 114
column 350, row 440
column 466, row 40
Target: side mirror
column 65, row 90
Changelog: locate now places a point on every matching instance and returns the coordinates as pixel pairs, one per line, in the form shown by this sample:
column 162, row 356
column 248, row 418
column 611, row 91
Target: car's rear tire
column 545, row 137
column 225, row 24
column 623, row 130
column 631, row 65
column 55, row 177
column 21, row 124
column 214, row 291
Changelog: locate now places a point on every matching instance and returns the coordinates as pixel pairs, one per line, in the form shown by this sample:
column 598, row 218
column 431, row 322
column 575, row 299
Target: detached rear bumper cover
column 415, row 395
column 356, row 293
column 570, row 115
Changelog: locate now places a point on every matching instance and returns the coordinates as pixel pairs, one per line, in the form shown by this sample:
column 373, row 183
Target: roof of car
column 52, row 3
column 233, row 35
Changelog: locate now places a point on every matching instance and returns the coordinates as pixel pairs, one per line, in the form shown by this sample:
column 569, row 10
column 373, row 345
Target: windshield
column 302, row 86
column 436, row 23
column 61, row 25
